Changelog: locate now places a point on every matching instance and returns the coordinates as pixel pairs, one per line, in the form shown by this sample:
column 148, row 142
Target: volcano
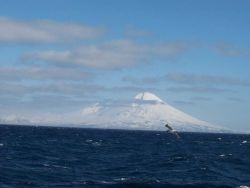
column 145, row 112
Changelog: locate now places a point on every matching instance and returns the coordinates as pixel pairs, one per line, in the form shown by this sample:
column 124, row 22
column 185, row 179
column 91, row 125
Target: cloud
column 130, row 89
column 231, row 50
column 201, row 99
column 78, row 90
column 184, row 103
column 111, row 55
column 40, row 73
column 57, row 96
column 146, row 80
column 132, row 31
column 57, row 88
column 44, row 31
column 43, row 103
column 234, row 99
column 198, row 89
column 190, row 80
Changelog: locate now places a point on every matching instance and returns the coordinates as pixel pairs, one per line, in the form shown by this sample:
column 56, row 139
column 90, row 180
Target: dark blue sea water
column 71, row 157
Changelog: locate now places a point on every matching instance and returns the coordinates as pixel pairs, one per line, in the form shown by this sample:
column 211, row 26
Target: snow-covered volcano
column 145, row 112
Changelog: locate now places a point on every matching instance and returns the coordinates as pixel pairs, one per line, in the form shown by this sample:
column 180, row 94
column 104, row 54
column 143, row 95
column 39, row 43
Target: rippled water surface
column 71, row 157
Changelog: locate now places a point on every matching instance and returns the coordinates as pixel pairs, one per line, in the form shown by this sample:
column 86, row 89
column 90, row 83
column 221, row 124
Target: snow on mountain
column 14, row 119
column 146, row 96
column 146, row 112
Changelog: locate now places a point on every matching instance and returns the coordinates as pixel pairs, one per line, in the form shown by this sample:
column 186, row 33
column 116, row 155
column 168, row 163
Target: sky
column 62, row 55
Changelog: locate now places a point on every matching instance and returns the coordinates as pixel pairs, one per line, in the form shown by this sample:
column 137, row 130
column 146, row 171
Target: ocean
column 78, row 157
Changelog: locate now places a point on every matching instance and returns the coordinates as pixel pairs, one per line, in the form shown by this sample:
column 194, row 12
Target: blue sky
column 63, row 55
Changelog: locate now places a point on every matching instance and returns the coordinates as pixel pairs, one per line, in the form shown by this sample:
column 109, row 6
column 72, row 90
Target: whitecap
column 222, row 155
column 158, row 181
column 105, row 182
column 1, row 144
column 243, row 186
column 244, row 142
column 121, row 179
column 178, row 157
column 59, row 166
column 96, row 144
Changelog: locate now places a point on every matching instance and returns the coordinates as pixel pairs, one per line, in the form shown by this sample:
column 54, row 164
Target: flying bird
column 172, row 131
